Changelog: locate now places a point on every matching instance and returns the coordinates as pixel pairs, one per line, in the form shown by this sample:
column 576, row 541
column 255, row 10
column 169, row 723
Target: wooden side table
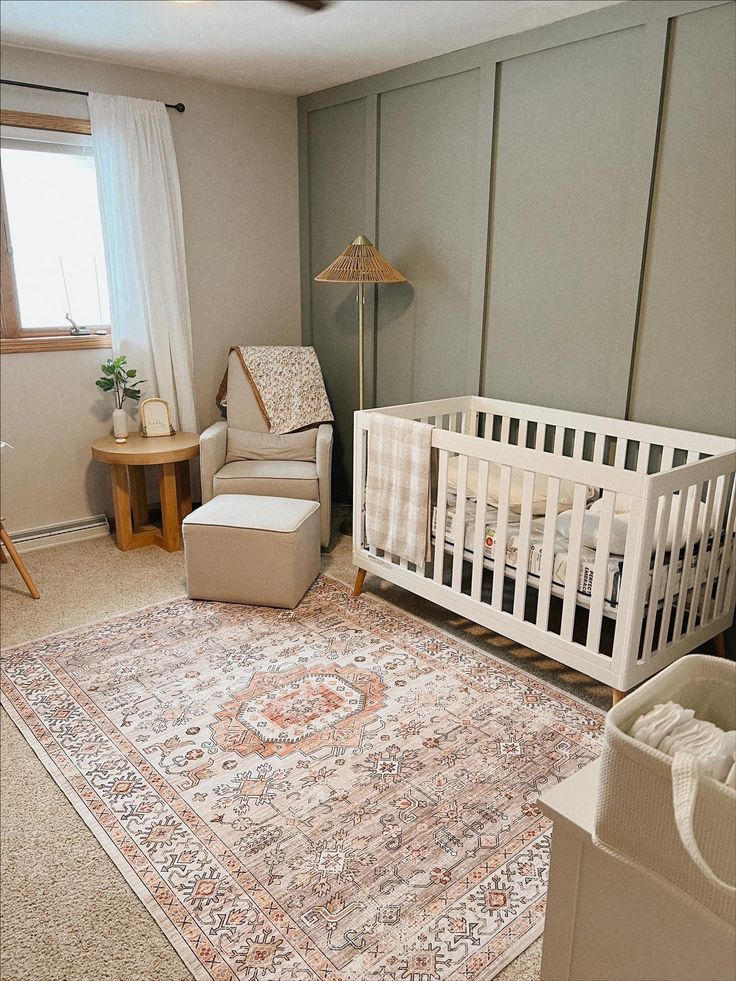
column 127, row 462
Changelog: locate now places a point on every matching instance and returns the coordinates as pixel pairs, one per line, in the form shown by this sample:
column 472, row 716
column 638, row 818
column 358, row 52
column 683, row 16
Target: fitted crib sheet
column 614, row 564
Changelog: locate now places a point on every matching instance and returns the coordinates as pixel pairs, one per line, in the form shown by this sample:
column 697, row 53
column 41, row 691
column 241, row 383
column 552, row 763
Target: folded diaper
column 672, row 729
column 652, row 727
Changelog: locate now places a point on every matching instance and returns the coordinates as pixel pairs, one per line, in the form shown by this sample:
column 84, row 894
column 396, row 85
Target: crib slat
column 600, row 572
column 687, row 557
column 634, row 582
column 522, row 553
column 731, row 576
column 540, row 437
column 727, row 559
column 439, row 537
column 523, row 430
column 459, row 544
column 578, row 444
column 360, row 457
column 701, row 565
column 572, row 575
column 499, row 549
column 505, row 429
column 664, row 507
column 599, row 447
column 642, row 459
column 619, row 460
column 668, row 458
column 479, row 536
column 559, row 440
column 548, row 552
column 452, row 427
column 672, row 571
column 713, row 564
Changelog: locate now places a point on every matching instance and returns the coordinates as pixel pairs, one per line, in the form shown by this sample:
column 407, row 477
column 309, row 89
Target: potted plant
column 118, row 379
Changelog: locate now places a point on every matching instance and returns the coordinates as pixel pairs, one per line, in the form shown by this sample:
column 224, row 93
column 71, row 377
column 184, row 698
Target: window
column 53, row 267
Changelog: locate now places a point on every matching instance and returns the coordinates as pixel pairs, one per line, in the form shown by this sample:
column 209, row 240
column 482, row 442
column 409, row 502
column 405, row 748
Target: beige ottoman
column 258, row 550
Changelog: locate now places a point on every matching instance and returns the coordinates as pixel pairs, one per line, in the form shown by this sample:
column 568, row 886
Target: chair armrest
column 212, row 454
column 323, row 457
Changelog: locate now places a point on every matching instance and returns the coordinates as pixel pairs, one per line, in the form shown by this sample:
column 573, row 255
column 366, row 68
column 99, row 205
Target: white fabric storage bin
column 679, row 826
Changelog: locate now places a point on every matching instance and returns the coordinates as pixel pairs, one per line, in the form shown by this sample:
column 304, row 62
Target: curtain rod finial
column 180, row 107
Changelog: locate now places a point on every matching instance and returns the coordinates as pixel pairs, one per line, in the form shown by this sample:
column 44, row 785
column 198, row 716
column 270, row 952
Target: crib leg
column 617, row 695
column 359, row 580
column 719, row 644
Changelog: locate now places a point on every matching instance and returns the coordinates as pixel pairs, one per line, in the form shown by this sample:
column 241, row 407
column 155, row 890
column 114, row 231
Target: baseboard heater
column 96, row 526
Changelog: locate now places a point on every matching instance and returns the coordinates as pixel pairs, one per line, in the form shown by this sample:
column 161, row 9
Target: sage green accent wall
column 685, row 369
column 426, row 207
column 562, row 204
column 336, row 146
column 557, row 327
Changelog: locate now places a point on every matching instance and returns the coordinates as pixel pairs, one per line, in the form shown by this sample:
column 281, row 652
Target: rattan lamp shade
column 360, row 262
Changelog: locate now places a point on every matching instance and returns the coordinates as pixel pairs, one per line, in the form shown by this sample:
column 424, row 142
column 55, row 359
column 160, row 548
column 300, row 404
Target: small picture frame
column 155, row 418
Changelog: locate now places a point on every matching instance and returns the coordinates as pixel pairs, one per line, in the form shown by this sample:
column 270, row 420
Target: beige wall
column 237, row 156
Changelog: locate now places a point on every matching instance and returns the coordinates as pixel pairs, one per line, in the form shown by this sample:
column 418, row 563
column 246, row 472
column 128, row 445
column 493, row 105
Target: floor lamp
column 360, row 263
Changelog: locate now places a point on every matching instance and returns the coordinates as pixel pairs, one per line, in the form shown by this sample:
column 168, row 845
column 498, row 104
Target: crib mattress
column 614, row 565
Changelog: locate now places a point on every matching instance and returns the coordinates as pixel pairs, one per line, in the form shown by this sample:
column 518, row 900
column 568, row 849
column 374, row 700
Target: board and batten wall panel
column 557, row 329
column 512, row 183
column 428, row 144
column 336, row 147
column 685, row 368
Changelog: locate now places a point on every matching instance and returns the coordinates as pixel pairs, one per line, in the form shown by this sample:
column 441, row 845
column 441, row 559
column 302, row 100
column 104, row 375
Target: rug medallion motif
column 335, row 793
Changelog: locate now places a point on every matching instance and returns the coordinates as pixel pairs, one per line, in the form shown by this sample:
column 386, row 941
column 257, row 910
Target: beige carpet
column 67, row 914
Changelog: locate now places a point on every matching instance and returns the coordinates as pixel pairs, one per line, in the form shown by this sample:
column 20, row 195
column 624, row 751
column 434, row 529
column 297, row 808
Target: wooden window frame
column 13, row 338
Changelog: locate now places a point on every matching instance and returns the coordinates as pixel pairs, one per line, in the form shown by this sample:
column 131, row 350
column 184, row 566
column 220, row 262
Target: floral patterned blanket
column 287, row 383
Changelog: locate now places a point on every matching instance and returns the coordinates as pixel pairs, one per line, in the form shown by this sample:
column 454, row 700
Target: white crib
column 677, row 582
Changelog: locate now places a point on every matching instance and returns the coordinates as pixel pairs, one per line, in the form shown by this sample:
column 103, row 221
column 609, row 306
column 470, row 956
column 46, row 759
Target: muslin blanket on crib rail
column 398, row 486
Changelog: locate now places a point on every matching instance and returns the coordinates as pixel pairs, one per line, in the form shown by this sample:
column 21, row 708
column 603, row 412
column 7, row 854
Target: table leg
column 121, row 504
column 137, row 478
column 169, row 508
column 184, row 488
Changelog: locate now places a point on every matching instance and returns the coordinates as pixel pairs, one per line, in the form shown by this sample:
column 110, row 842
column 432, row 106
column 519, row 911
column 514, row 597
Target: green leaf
column 119, row 361
column 108, row 368
column 106, row 384
column 132, row 373
column 131, row 393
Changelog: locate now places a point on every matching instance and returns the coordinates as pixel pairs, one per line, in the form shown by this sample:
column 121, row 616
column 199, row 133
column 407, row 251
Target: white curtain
column 143, row 232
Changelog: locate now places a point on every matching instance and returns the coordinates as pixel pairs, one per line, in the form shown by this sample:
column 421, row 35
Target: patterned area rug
column 338, row 792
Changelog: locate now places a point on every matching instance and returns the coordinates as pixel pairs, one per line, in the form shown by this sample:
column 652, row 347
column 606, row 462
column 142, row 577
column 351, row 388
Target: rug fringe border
column 174, row 937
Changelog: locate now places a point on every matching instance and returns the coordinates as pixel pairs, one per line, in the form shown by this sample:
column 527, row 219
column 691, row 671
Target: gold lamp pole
column 360, row 263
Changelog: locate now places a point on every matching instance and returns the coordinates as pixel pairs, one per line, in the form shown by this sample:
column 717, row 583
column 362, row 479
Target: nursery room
column 368, row 470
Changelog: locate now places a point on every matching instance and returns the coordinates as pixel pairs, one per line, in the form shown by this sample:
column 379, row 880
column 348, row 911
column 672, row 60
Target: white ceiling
column 270, row 44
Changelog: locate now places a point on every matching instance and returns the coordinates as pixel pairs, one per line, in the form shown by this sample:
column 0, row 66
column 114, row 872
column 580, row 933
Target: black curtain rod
column 53, row 88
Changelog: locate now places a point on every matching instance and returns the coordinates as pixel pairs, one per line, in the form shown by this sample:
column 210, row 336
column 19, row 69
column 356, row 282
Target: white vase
column 120, row 425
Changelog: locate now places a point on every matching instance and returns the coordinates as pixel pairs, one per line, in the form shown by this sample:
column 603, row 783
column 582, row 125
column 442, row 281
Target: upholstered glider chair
column 240, row 456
